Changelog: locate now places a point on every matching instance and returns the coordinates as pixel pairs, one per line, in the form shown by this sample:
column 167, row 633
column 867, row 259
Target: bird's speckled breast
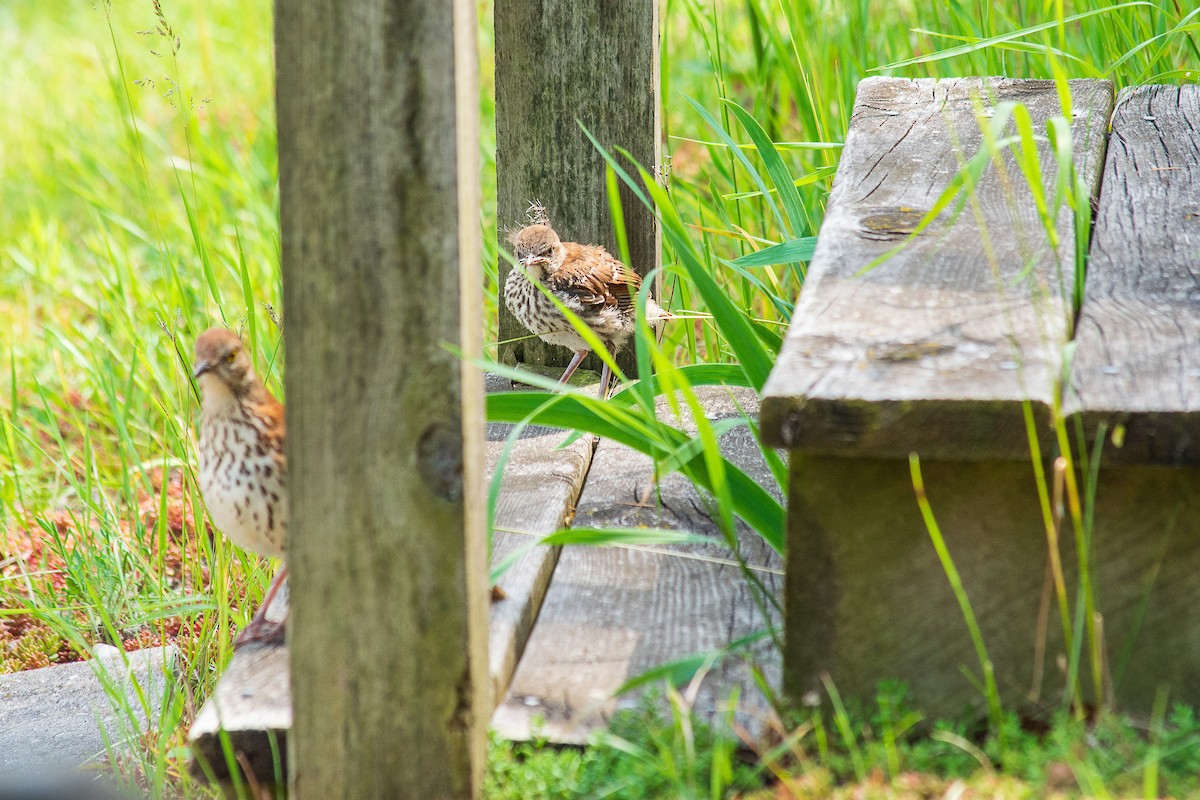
column 243, row 482
column 537, row 313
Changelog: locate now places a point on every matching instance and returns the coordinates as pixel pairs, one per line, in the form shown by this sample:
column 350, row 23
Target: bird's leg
column 574, row 365
column 645, row 493
column 605, row 377
column 261, row 629
column 273, row 589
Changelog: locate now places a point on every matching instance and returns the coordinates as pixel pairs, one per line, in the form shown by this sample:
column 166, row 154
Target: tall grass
column 792, row 67
column 137, row 208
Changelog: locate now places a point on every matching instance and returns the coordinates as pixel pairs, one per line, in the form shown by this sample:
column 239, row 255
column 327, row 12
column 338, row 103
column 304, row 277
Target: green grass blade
column 784, row 183
column 782, row 253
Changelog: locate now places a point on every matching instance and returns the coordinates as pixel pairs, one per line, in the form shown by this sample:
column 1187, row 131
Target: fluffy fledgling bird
column 243, row 469
column 587, row 279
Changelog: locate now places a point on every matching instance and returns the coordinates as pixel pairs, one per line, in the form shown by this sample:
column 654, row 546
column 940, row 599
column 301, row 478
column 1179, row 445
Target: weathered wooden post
column 378, row 141
column 560, row 63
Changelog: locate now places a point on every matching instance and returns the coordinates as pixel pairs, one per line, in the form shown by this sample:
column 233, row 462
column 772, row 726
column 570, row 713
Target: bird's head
column 538, row 248
column 222, row 364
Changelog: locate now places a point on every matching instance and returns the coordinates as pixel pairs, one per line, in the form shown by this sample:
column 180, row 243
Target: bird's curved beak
column 201, row 368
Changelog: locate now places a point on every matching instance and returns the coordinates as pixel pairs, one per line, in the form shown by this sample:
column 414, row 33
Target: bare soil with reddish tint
column 33, row 560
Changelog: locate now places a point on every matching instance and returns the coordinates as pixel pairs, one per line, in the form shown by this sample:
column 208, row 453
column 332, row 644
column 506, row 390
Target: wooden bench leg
column 1146, row 561
column 868, row 600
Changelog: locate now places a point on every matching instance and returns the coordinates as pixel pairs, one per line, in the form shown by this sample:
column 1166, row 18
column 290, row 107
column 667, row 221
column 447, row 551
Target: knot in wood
column 440, row 461
column 896, row 352
column 891, row 223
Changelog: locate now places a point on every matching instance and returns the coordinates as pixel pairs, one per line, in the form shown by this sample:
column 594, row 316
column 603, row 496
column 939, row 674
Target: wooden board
column 252, row 703
column 560, row 64
column 1137, row 354
column 935, row 349
column 542, row 481
column 868, row 598
column 614, row 613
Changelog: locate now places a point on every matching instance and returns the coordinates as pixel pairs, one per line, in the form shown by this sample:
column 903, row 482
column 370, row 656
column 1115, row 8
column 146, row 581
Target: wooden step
column 1136, row 369
column 613, row 613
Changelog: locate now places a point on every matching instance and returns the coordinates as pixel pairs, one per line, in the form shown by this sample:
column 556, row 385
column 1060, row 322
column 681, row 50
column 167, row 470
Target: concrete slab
column 82, row 784
column 57, row 717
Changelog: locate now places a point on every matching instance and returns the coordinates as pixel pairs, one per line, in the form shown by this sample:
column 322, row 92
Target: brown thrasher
column 243, row 469
column 587, row 279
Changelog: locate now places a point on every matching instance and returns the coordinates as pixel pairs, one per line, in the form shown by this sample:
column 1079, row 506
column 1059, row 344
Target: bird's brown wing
column 270, row 422
column 591, row 274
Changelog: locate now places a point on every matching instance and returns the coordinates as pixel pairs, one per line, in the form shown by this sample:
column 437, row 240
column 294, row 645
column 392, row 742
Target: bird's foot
column 644, row 496
column 261, row 630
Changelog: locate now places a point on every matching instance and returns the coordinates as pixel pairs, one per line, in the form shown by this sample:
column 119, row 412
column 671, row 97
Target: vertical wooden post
column 560, row 63
column 378, row 141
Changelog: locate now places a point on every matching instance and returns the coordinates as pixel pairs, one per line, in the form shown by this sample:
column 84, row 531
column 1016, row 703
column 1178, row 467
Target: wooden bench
column 958, row 348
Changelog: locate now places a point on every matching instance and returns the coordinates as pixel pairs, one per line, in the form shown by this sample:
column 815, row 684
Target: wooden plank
column 379, row 187
column 559, row 64
column 252, row 703
column 612, row 613
column 1137, row 354
column 537, row 497
column 936, row 349
column 867, row 597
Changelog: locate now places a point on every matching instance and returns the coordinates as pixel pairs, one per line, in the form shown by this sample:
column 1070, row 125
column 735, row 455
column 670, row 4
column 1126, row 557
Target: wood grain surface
column 1137, row 351
column 541, row 484
column 935, row 349
column 868, row 599
column 379, row 205
column 561, row 64
column 252, row 704
column 613, row 613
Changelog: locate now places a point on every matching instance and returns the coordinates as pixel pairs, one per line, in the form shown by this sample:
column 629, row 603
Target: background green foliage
column 138, row 206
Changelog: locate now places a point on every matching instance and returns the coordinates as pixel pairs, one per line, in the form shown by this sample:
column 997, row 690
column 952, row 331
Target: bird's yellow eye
column 229, row 359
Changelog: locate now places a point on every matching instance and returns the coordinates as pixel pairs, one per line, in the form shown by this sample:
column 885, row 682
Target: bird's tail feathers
column 655, row 313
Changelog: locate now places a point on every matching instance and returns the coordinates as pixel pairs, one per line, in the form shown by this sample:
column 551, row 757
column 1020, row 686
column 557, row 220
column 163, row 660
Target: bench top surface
column 943, row 347
column 1137, row 342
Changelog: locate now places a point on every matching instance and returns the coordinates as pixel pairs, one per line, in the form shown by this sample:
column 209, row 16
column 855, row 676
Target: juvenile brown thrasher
column 243, row 469
column 587, row 279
